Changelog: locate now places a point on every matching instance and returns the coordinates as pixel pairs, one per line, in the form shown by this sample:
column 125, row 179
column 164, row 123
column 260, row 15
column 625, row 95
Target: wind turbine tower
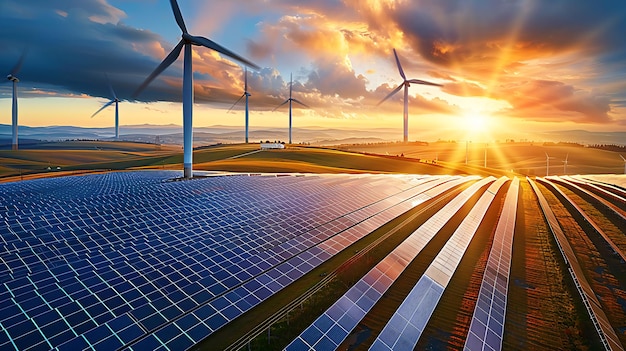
column 117, row 114
column 406, row 84
column 565, row 164
column 12, row 78
column 186, row 42
column 247, row 95
column 623, row 159
column 290, row 101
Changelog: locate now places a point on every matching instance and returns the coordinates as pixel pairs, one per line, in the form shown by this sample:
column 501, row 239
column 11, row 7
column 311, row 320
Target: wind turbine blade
column 301, row 103
column 178, row 16
column 18, row 66
column 423, row 82
column 110, row 87
column 566, row 156
column 623, row 159
column 391, row 94
column 277, row 107
column 202, row 41
column 245, row 79
column 166, row 63
column 399, row 65
column 103, row 107
column 290, row 84
column 236, row 102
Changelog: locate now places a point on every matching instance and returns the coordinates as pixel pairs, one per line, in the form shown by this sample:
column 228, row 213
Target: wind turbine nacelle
column 12, row 78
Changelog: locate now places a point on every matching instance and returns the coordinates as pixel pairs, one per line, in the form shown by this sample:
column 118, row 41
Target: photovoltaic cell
column 490, row 310
column 345, row 314
column 134, row 258
column 406, row 325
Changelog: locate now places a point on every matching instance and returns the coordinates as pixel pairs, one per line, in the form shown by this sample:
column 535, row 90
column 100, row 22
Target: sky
column 509, row 68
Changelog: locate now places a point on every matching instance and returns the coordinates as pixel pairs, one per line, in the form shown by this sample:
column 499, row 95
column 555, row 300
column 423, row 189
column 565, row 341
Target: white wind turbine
column 290, row 101
column 187, row 41
column 406, row 84
column 547, row 164
column 12, row 78
column 247, row 95
column 623, row 159
column 117, row 115
column 565, row 164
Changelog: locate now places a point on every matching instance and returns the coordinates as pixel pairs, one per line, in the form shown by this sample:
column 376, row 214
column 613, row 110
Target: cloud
column 464, row 89
column 533, row 96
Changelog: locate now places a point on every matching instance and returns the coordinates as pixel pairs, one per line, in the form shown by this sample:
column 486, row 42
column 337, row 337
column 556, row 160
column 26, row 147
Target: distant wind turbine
column 290, row 101
column 12, row 77
column 247, row 95
column 117, row 115
column 187, row 41
column 406, row 84
column 565, row 164
column 623, row 159
column 547, row 164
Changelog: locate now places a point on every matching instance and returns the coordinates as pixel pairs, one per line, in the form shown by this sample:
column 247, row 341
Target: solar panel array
column 406, row 325
column 487, row 326
column 329, row 330
column 603, row 327
column 587, row 219
column 136, row 260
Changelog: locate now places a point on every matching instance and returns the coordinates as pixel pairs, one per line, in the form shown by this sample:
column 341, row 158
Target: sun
column 476, row 122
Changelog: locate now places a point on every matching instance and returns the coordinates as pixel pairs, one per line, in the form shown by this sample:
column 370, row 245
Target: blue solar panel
column 127, row 258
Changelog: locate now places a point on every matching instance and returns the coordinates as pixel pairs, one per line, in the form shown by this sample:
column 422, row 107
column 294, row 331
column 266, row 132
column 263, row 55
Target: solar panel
column 487, row 326
column 406, row 325
column 135, row 259
column 603, row 327
column 335, row 324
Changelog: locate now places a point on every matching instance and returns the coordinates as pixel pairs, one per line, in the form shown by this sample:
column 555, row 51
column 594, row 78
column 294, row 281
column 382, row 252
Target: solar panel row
column 487, row 326
column 329, row 330
column 612, row 191
column 129, row 252
column 594, row 308
column 406, row 325
column 577, row 185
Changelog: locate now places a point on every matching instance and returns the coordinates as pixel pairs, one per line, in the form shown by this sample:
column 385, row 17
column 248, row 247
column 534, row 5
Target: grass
column 523, row 158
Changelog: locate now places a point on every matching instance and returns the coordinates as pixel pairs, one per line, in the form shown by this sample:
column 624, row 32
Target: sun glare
column 476, row 122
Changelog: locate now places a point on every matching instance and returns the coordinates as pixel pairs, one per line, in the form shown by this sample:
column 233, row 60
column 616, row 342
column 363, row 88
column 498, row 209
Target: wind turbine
column 290, row 101
column 187, row 41
column 623, row 159
column 12, row 77
column 117, row 115
column 565, row 164
column 247, row 95
column 406, row 84
column 547, row 164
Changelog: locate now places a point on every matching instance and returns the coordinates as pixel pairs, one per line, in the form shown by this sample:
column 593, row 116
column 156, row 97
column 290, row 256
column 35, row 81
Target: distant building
column 269, row 146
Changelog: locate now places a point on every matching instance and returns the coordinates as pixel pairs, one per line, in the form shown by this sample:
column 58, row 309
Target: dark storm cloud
column 70, row 49
column 454, row 31
column 73, row 44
